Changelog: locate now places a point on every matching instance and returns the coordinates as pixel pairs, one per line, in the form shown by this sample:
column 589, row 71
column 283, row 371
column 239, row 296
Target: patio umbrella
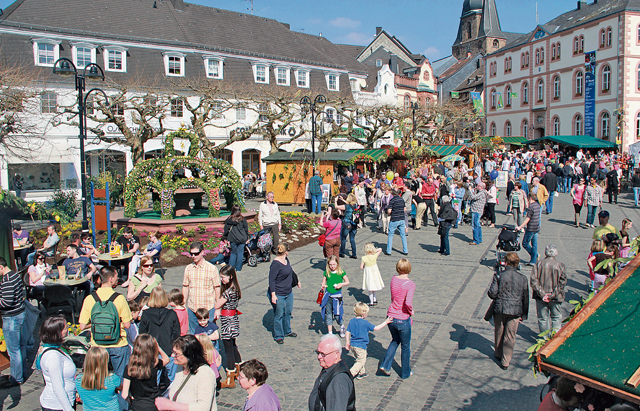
column 451, row 158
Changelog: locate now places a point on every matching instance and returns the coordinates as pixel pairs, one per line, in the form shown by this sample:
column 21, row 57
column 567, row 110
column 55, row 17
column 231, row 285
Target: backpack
column 105, row 320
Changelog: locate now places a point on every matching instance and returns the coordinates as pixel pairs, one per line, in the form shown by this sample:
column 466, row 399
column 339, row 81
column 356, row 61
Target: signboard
column 500, row 104
column 326, row 193
column 414, row 143
column 503, row 179
column 590, row 94
column 477, row 103
column 514, row 95
column 455, row 94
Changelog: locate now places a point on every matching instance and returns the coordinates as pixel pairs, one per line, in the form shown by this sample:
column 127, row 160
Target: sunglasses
column 322, row 354
column 195, row 254
column 40, row 259
column 147, row 265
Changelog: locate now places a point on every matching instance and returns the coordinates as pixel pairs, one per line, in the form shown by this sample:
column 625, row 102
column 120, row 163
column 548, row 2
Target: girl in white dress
column 371, row 279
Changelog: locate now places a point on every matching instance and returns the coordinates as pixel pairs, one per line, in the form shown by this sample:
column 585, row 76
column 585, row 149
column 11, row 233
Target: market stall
column 373, row 160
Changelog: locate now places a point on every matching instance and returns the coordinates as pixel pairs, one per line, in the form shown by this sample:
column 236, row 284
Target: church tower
column 479, row 30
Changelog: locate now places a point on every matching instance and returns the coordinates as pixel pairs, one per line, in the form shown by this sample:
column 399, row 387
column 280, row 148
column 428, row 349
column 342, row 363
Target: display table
column 110, row 258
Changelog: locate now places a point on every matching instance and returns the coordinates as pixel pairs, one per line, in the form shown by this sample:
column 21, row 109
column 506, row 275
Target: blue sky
column 423, row 26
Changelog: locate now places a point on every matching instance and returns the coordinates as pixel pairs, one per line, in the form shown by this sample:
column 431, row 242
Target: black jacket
column 236, row 231
column 448, row 213
column 550, row 181
column 511, row 293
column 162, row 324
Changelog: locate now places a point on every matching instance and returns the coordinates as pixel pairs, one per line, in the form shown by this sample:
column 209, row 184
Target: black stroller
column 508, row 241
column 258, row 248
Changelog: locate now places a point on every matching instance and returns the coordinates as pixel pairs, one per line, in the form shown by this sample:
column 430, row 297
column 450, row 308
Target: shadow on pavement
column 501, row 399
column 316, row 324
column 358, row 294
column 16, row 395
column 430, row 248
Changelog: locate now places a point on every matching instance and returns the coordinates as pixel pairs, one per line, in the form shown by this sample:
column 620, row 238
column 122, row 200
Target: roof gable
column 389, row 43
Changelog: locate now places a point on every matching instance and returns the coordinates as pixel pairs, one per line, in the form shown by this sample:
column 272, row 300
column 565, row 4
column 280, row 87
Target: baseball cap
column 603, row 214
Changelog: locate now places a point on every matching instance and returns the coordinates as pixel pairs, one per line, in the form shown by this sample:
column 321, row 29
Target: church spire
column 490, row 22
column 479, row 30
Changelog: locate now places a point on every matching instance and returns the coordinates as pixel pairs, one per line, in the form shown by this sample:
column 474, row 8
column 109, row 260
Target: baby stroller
column 508, row 241
column 258, row 248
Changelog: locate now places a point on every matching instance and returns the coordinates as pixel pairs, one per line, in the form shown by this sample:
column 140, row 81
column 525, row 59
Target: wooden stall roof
column 443, row 150
column 306, row 156
column 599, row 346
column 517, row 140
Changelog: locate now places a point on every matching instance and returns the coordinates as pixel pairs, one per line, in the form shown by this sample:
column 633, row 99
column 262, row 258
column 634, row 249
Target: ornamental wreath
column 211, row 175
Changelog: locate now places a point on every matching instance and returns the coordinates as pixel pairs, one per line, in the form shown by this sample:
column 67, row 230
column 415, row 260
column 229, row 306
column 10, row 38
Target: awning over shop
column 599, row 346
column 504, row 140
column 576, row 141
column 306, row 156
column 375, row 155
column 442, row 151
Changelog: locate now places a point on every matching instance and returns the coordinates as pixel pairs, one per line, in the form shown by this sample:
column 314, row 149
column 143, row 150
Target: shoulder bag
column 181, row 387
column 323, row 237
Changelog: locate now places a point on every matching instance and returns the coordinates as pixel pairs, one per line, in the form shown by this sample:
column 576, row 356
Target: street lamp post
column 307, row 104
column 65, row 67
column 414, row 107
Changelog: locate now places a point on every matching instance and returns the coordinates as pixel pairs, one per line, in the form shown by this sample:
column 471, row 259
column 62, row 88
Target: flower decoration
column 579, row 388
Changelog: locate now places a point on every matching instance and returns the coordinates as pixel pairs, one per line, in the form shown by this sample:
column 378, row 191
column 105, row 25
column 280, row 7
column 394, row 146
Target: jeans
column 220, row 258
column 350, row 230
column 444, row 239
column 236, row 256
column 636, row 193
column 591, row 213
column 119, row 358
column 567, row 184
column 17, row 342
column 476, row 228
column 549, row 203
column 549, row 313
column 393, row 225
column 400, row 335
column 282, row 315
column 193, row 320
column 530, row 243
column 316, row 203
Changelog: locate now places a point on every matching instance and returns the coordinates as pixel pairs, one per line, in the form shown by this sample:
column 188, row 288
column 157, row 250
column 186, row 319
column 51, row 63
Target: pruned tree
column 21, row 126
column 133, row 107
column 366, row 125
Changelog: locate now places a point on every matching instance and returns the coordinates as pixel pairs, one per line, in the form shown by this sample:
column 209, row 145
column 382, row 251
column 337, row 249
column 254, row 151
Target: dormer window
column 302, row 78
column 45, row 52
column 213, row 66
column 333, row 81
column 174, row 64
column 115, row 58
column 83, row 54
column 260, row 72
column 379, row 63
column 283, row 76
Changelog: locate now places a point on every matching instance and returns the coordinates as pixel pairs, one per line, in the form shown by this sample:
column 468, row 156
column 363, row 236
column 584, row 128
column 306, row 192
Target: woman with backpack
column 236, row 231
column 349, row 223
column 446, row 217
column 58, row 370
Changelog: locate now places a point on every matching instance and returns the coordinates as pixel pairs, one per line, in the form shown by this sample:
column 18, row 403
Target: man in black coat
column 612, row 184
column 550, row 182
column 510, row 293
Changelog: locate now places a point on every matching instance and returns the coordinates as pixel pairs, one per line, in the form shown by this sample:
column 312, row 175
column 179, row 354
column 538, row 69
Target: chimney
column 393, row 63
column 378, row 30
column 581, row 4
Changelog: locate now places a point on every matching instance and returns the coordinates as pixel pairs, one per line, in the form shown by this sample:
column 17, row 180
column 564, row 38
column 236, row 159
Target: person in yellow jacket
column 541, row 191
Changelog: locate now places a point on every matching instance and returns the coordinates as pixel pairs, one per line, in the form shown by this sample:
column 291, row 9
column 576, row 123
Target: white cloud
column 357, row 38
column 431, row 52
column 345, row 22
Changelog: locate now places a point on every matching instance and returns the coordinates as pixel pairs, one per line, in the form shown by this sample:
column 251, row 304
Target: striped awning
column 504, row 140
column 442, row 151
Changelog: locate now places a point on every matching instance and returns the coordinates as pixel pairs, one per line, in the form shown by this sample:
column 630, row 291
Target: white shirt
column 505, row 164
column 59, row 373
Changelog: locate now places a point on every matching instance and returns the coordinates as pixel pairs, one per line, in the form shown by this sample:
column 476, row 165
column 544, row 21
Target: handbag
column 323, row 237
column 489, row 314
column 320, row 296
column 294, row 280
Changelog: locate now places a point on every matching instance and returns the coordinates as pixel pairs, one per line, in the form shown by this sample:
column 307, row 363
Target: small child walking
column 358, row 338
column 176, row 303
column 333, row 280
column 371, row 279
column 213, row 358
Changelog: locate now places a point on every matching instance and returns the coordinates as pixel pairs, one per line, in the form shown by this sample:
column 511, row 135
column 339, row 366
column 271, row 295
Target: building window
column 638, row 126
column 606, row 78
column 332, row 82
column 581, row 50
column 177, row 107
column 217, row 109
column 522, row 60
column 579, row 83
column 214, row 67
column 496, row 44
column 558, row 51
column 556, row 87
column 603, row 38
column 302, row 78
column 609, row 37
column 263, row 110
column 537, row 57
column 553, row 52
column 282, row 76
column 605, row 126
column 115, row 59
column 261, row 73
column 540, row 90
column 118, row 109
column 45, row 52
column 556, row 126
column 379, row 63
column 526, row 58
column 354, row 85
column 241, row 112
column 577, row 129
column 493, row 99
column 507, row 96
column 83, row 56
column 49, row 103
column 493, row 129
column 525, row 93
column 525, row 128
column 330, row 115
column 174, row 64
column 576, row 45
column 541, row 55
column 507, row 129
column 407, row 103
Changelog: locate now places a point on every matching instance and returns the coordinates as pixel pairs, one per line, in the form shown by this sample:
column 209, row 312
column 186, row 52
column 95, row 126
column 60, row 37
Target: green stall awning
column 576, row 141
column 442, row 150
column 517, row 140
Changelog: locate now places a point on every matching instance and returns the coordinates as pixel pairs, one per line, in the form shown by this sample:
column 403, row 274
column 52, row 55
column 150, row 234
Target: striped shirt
column 402, row 291
column 396, row 205
column 202, row 281
column 533, row 214
column 478, row 200
column 11, row 294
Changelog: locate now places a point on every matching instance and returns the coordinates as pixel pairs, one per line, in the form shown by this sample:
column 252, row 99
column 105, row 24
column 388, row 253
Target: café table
column 118, row 260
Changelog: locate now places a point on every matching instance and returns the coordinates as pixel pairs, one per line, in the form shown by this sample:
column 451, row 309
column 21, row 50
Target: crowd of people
column 158, row 350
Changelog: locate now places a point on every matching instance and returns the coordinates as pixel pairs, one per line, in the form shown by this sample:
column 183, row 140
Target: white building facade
column 546, row 70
